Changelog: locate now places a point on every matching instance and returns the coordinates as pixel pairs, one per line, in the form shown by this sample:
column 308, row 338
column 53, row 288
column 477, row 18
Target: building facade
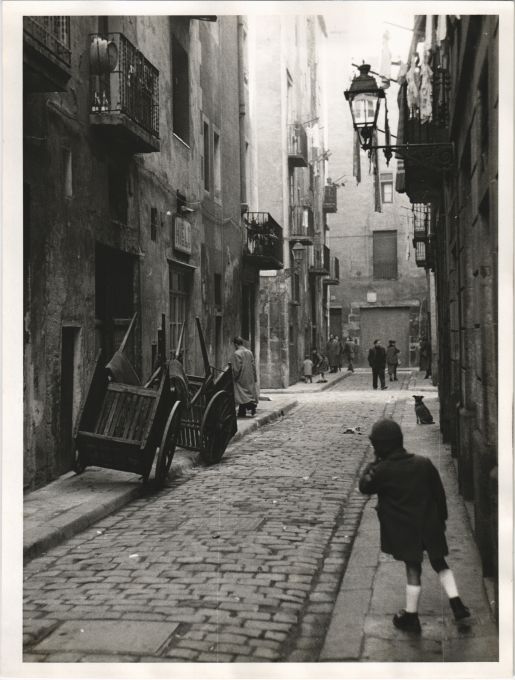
column 133, row 169
column 459, row 243
column 382, row 293
column 287, row 186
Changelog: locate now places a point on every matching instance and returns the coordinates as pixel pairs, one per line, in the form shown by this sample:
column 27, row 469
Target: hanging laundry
column 428, row 43
column 426, row 90
column 374, row 164
column 441, row 28
column 356, row 160
column 413, row 89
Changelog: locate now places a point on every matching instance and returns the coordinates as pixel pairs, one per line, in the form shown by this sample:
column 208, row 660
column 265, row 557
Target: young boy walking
column 412, row 512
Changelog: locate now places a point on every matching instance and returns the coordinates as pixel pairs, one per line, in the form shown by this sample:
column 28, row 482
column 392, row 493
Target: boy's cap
column 386, row 430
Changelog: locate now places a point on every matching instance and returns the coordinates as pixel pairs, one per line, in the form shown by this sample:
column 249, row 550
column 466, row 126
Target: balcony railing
column 421, row 217
column 330, row 198
column 47, row 53
column 124, row 92
column 334, row 272
column 297, row 146
column 263, row 244
column 319, row 260
column 302, row 227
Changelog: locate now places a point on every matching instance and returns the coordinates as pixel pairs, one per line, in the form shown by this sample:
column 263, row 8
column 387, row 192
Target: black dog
column 423, row 414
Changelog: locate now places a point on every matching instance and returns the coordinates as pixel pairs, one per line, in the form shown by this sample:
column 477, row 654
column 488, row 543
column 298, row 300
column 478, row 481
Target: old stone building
column 286, row 190
column 382, row 293
column 459, row 243
column 133, row 192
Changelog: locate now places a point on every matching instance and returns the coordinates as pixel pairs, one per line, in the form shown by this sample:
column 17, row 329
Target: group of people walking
column 339, row 352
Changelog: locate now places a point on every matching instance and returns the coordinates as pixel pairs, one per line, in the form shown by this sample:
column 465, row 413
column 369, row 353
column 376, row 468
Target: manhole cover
column 129, row 637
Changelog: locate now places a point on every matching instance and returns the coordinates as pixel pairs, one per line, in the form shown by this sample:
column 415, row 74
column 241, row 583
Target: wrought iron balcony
column 302, row 227
column 297, row 146
column 319, row 261
column 124, row 93
column 46, row 53
column 263, row 244
column 334, row 272
column 424, row 164
column 330, row 198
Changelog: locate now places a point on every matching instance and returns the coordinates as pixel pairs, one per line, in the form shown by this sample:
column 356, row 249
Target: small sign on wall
column 182, row 235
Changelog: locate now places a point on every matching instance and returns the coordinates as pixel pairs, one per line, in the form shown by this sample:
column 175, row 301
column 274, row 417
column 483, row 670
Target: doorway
column 248, row 322
column 114, row 299
column 385, row 323
column 70, row 396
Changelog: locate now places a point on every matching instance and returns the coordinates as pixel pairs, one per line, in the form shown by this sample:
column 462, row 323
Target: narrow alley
column 260, row 558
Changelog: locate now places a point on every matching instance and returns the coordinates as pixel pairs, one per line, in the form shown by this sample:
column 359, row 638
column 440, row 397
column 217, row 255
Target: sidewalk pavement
column 74, row 502
column 373, row 586
column 302, row 387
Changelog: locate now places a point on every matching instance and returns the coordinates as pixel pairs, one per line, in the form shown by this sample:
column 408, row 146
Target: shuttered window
column 385, row 254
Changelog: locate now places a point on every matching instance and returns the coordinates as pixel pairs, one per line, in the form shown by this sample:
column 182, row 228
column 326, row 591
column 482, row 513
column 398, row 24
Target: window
column 206, row 156
column 386, row 179
column 153, row 223
column 385, row 254
column 117, row 188
column 295, row 287
column 484, row 121
column 180, row 91
column 218, row 290
column 67, row 173
column 179, row 290
column 217, row 180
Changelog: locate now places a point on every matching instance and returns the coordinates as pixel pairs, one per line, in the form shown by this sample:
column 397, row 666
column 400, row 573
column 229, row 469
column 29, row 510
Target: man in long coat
column 377, row 362
column 412, row 512
column 245, row 377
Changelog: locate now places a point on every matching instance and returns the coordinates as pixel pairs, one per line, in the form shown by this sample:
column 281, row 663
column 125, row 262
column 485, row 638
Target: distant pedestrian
column 245, row 377
column 412, row 512
column 425, row 357
column 348, row 353
column 316, row 358
column 308, row 370
column 340, row 352
column 377, row 362
column 392, row 359
column 323, row 367
column 332, row 353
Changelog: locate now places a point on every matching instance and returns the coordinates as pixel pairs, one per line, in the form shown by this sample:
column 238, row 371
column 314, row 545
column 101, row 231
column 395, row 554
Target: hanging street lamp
column 364, row 97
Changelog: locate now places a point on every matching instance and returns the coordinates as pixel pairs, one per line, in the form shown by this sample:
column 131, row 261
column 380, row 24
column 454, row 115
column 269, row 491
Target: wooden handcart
column 208, row 413
column 122, row 424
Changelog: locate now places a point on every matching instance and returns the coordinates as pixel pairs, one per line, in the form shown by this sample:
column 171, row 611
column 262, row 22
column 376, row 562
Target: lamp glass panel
column 364, row 108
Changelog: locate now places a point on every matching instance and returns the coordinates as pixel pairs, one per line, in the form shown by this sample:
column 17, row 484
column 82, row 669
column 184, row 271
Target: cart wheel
column 79, row 465
column 180, row 388
column 168, row 442
column 217, row 428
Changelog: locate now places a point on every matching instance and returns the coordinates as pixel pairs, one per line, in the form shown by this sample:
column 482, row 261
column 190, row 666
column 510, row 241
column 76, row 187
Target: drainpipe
column 242, row 108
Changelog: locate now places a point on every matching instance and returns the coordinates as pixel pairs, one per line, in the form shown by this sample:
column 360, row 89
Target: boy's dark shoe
column 407, row 621
column 458, row 609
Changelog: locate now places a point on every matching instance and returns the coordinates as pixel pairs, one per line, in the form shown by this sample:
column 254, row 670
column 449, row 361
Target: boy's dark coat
column 411, row 506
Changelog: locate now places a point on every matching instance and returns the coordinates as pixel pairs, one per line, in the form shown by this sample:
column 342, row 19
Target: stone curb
column 323, row 386
column 75, row 521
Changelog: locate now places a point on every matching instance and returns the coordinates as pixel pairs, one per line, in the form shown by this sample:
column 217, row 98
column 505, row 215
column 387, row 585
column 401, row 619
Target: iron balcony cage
column 330, row 198
column 297, row 145
column 263, row 240
column 123, row 81
column 302, row 227
column 51, row 34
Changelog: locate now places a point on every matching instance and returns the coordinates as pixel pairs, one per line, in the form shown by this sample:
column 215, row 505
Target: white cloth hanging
column 441, row 28
column 426, row 91
column 412, row 91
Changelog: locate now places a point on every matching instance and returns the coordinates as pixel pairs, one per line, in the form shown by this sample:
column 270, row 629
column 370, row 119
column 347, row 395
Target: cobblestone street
column 240, row 562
